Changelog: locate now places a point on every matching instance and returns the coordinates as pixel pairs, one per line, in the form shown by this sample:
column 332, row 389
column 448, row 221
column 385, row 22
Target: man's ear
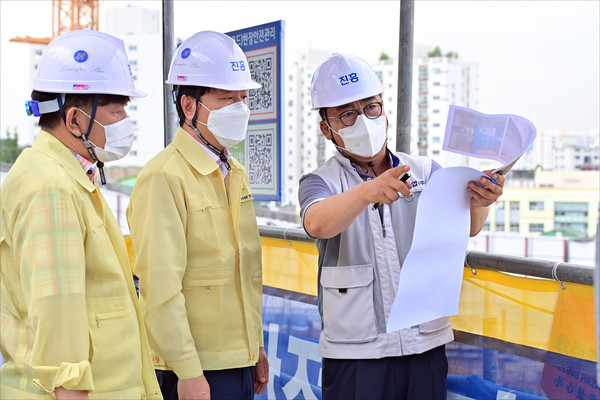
column 75, row 121
column 188, row 106
column 325, row 129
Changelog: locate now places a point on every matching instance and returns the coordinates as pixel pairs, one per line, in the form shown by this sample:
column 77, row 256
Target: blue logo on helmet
column 80, row 56
column 185, row 53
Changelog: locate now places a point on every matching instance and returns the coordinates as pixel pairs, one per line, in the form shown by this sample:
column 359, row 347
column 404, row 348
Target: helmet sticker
column 350, row 78
column 181, row 78
column 80, row 56
column 81, row 86
column 238, row 65
column 186, row 53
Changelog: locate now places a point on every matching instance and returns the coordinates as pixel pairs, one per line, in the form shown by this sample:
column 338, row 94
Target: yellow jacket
column 70, row 315
column 198, row 257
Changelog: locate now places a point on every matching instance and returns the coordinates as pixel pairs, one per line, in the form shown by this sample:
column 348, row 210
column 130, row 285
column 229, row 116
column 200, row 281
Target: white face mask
column 366, row 137
column 228, row 124
column 119, row 139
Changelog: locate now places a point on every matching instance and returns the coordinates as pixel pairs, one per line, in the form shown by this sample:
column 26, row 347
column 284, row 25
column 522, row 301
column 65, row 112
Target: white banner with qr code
column 257, row 154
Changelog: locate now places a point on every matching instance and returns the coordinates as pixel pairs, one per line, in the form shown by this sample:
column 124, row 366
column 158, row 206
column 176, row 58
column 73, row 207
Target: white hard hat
column 211, row 59
column 342, row 79
column 85, row 62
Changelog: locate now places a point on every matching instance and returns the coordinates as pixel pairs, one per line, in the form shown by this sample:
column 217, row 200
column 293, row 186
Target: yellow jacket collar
column 196, row 155
column 48, row 144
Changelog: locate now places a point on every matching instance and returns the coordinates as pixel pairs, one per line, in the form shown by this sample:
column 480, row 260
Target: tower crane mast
column 68, row 15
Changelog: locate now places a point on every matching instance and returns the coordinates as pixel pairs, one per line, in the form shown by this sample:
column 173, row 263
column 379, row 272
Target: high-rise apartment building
column 439, row 82
column 305, row 146
column 565, row 150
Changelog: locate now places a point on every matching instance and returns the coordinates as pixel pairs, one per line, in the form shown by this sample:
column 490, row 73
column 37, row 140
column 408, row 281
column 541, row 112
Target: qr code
column 260, row 158
column 261, row 69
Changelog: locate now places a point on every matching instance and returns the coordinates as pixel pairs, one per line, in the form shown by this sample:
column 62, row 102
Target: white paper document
column 501, row 137
column 431, row 276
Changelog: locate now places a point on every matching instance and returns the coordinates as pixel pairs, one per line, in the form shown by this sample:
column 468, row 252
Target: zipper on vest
column 382, row 223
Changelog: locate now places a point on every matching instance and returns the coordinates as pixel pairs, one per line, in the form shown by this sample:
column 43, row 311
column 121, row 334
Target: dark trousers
column 414, row 377
column 227, row 384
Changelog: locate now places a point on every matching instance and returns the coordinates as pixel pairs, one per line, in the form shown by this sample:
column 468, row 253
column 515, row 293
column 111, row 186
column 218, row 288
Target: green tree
column 384, row 56
column 435, row 52
column 9, row 147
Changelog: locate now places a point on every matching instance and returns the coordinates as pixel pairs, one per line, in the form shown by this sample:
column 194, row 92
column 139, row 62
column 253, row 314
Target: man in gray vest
column 361, row 208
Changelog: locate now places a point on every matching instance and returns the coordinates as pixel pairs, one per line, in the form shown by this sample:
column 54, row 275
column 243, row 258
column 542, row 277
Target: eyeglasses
column 371, row 111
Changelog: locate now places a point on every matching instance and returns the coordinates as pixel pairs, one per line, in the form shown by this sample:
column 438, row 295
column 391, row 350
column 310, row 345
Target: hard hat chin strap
column 61, row 101
column 219, row 153
column 88, row 144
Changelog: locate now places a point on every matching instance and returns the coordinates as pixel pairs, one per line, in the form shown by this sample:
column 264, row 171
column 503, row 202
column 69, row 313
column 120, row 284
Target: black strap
column 219, row 153
column 61, row 107
column 88, row 144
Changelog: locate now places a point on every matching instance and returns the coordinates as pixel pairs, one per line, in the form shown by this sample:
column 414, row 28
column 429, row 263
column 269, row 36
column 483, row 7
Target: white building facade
column 140, row 29
column 439, row 82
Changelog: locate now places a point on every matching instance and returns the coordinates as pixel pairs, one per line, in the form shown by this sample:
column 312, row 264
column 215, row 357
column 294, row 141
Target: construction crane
column 68, row 16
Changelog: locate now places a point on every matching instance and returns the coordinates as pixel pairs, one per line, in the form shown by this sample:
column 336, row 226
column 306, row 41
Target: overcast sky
column 538, row 59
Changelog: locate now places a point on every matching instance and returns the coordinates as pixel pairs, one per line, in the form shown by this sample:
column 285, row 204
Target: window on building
column 500, row 212
column 577, row 228
column 499, row 226
column 571, row 210
column 536, row 205
column 436, row 124
column 514, row 211
column 514, row 227
column 486, row 226
column 536, row 227
column 571, row 217
column 132, row 47
column 436, row 111
column 436, row 84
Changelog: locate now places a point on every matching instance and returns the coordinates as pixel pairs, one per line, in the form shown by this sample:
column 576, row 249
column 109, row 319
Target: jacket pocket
column 435, row 325
column 348, row 307
column 199, row 277
column 115, row 338
column 210, row 297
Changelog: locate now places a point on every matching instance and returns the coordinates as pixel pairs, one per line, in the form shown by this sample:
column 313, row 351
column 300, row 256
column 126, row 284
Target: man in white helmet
column 71, row 323
column 195, row 235
column 362, row 212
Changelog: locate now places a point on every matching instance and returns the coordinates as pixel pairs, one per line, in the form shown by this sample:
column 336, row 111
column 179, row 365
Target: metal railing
column 559, row 271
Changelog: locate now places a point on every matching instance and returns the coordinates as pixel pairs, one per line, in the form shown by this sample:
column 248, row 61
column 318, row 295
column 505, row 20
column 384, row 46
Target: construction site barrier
column 525, row 327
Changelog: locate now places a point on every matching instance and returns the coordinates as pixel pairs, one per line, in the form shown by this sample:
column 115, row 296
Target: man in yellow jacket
column 195, row 236
column 71, row 323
